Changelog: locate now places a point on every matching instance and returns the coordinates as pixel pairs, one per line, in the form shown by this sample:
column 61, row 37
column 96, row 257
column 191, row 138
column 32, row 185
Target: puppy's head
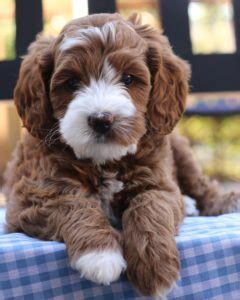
column 101, row 86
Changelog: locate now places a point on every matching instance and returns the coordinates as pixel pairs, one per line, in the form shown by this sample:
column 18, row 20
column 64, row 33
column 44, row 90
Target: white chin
column 102, row 153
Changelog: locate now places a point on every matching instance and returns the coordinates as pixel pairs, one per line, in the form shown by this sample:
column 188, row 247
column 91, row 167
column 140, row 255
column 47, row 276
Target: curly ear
column 31, row 94
column 169, row 78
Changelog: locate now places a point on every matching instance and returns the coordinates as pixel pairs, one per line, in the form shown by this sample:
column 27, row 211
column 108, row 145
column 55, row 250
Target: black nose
column 101, row 122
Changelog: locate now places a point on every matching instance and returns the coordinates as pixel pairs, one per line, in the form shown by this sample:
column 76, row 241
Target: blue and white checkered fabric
column 210, row 258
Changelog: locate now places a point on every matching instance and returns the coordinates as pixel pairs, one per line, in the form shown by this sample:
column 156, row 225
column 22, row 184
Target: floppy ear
column 31, row 95
column 169, row 79
column 170, row 76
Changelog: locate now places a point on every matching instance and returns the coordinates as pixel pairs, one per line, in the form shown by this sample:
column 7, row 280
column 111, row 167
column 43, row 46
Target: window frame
column 223, row 70
column 29, row 22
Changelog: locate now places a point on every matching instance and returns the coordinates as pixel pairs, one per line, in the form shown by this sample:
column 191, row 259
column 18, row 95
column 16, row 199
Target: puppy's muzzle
column 101, row 122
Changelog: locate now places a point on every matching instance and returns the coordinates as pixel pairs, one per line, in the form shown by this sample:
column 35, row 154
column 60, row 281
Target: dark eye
column 73, row 83
column 127, row 79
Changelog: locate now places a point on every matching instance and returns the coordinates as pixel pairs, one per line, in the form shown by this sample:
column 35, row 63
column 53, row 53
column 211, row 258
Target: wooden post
column 10, row 131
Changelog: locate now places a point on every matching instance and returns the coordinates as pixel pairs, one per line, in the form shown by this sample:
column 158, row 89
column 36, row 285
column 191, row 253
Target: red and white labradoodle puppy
column 99, row 103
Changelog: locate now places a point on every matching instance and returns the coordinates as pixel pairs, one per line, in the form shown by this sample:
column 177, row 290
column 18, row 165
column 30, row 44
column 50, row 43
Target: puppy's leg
column 94, row 247
column 149, row 225
column 192, row 182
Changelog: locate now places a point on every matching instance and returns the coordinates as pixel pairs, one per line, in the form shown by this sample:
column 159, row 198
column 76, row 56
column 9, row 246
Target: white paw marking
column 190, row 206
column 101, row 266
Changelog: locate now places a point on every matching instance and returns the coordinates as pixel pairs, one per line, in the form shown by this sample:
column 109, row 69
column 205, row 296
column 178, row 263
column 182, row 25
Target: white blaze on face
column 84, row 35
column 104, row 95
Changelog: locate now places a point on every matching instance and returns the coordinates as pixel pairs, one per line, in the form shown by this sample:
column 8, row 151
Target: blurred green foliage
column 216, row 144
column 9, row 46
column 211, row 25
column 7, row 29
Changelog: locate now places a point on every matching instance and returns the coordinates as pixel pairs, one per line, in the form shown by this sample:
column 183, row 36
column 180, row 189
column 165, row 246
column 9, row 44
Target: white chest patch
column 109, row 187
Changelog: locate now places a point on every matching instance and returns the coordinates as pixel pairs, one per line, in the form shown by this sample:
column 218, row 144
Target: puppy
column 99, row 103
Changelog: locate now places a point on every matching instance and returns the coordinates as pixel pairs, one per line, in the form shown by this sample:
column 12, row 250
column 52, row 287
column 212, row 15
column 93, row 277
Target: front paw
column 101, row 267
column 151, row 272
column 149, row 245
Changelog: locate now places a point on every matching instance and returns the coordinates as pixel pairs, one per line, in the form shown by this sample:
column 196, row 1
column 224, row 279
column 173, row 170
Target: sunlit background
column 211, row 21
column 216, row 141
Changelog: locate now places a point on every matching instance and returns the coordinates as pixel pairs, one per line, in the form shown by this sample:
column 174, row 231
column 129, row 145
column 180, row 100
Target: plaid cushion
column 210, row 259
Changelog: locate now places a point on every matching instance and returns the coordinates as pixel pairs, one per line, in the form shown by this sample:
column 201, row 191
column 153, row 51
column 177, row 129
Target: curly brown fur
column 58, row 190
column 209, row 198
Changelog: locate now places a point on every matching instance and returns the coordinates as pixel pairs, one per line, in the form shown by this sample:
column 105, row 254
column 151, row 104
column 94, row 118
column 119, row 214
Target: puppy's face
column 101, row 85
column 99, row 90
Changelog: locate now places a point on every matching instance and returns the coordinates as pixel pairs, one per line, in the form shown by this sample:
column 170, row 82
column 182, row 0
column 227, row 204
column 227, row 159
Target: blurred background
column 204, row 32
